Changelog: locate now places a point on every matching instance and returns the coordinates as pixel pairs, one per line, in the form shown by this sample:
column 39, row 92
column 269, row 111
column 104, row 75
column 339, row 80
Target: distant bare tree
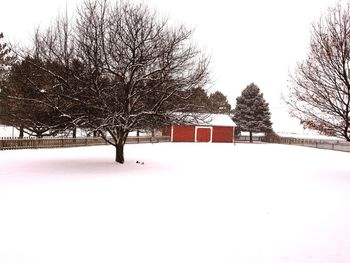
column 119, row 68
column 320, row 92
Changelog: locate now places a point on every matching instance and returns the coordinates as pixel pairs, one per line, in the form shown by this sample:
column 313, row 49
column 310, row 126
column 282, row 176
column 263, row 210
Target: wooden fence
column 320, row 144
column 32, row 143
column 247, row 139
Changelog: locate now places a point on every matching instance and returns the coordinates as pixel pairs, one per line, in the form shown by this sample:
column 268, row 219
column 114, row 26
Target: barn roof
column 206, row 119
column 219, row 120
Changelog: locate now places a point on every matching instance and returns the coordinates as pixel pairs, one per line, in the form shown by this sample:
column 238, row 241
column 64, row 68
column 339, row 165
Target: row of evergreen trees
column 251, row 113
column 115, row 68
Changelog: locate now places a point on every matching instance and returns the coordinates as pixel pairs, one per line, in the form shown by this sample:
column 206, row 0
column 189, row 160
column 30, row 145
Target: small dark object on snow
column 137, row 162
column 142, row 163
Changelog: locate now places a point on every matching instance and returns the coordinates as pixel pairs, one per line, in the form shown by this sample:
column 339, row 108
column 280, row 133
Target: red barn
column 216, row 128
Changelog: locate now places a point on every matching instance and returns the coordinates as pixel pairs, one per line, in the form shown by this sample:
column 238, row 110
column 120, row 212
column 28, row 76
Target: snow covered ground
column 311, row 135
column 6, row 131
column 187, row 203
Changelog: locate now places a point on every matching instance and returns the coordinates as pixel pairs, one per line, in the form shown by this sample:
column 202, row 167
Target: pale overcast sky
column 256, row 41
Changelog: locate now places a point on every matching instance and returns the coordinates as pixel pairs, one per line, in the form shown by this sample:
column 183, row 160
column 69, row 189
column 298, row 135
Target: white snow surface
column 220, row 120
column 208, row 119
column 186, row 203
column 310, row 136
column 6, row 131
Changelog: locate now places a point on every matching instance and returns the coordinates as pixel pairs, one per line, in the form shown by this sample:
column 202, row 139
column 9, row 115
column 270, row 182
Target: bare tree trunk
column 347, row 138
column 250, row 136
column 119, row 138
column 75, row 133
column 119, row 156
column 21, row 132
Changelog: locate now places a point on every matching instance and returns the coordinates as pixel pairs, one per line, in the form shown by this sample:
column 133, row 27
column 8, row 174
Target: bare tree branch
column 320, row 92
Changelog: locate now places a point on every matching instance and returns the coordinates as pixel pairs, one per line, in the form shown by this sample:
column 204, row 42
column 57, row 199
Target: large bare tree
column 117, row 68
column 320, row 91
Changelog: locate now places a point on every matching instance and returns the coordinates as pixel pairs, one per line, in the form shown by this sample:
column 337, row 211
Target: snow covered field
column 187, row 203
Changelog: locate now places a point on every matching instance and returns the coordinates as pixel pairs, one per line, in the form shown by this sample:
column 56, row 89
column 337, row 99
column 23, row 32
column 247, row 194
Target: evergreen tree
column 252, row 112
column 4, row 53
column 218, row 103
column 22, row 98
column 199, row 101
column 6, row 59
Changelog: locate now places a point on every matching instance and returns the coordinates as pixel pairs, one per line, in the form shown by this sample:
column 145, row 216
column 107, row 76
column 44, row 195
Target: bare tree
column 320, row 92
column 119, row 68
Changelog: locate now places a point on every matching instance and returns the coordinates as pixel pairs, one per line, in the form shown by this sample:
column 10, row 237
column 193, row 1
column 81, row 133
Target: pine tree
column 21, row 100
column 218, row 103
column 5, row 57
column 199, row 101
column 252, row 112
column 6, row 60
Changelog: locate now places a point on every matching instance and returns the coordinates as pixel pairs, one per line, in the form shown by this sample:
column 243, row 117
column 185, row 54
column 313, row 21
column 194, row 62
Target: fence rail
column 320, row 144
column 247, row 139
column 31, row 143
